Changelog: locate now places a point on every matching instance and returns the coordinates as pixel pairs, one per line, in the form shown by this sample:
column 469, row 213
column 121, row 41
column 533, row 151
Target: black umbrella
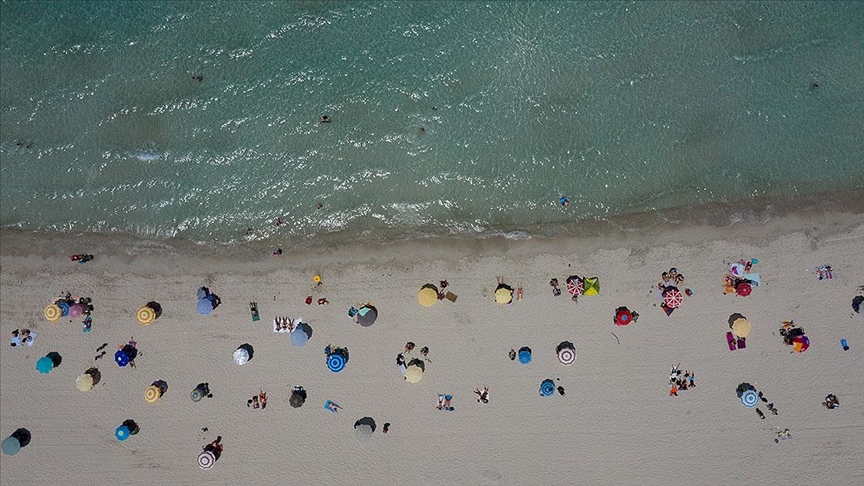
column 856, row 303
column 298, row 398
column 23, row 436
column 734, row 317
column 97, row 376
column 55, row 358
column 157, row 308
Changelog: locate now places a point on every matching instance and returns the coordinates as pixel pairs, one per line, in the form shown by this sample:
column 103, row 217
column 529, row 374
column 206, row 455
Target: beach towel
column 753, row 278
column 450, row 296
column 730, row 338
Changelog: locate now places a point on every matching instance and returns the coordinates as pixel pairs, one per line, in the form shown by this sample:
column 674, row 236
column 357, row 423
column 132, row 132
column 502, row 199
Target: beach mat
column 451, row 296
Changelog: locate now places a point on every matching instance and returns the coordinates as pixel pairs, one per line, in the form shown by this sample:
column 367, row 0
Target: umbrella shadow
column 734, row 317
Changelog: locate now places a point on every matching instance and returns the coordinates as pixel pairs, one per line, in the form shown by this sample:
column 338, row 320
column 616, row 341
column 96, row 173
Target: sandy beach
column 616, row 424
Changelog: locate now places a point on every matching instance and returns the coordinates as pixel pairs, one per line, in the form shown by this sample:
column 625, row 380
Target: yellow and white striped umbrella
column 53, row 313
column 146, row 315
column 152, row 394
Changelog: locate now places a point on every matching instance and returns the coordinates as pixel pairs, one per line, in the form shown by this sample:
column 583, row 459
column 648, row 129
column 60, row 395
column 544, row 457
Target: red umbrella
column 744, row 289
column 574, row 285
column 672, row 297
column 623, row 317
column 800, row 343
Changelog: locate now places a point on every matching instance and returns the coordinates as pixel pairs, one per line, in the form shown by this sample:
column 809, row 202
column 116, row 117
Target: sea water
column 201, row 120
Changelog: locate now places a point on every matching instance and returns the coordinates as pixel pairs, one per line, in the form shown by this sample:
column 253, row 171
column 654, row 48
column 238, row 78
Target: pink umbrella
column 574, row 285
column 673, row 298
column 76, row 311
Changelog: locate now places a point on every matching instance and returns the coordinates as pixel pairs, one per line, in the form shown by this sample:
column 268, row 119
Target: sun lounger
column 730, row 338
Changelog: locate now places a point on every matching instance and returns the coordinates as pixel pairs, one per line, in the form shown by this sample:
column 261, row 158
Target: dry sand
column 616, row 424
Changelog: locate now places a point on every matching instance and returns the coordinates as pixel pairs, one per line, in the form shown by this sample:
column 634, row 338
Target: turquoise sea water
column 448, row 118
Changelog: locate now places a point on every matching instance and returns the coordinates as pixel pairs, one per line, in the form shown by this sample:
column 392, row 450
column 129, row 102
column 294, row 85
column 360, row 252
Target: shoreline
column 756, row 210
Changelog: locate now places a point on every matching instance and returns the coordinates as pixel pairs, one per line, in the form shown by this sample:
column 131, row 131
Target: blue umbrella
column 299, row 337
column 122, row 433
column 547, row 388
column 525, row 355
column 750, row 398
column 11, row 446
column 44, row 365
column 336, row 362
column 121, row 358
column 64, row 308
column 204, row 306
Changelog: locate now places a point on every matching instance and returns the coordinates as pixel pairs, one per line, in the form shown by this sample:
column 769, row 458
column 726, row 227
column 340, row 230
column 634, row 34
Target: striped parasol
column 566, row 353
column 145, row 316
column 196, row 395
column 152, row 394
column 53, row 313
column 574, row 285
column 206, row 460
column 672, row 297
column 547, row 388
column 336, row 362
column 750, row 398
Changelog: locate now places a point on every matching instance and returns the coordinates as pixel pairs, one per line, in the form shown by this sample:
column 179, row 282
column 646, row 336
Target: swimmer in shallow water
column 564, row 201
column 325, row 119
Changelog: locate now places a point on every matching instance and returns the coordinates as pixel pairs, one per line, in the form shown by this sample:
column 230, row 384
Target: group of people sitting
column 400, row 358
column 790, row 331
column 831, row 402
column 258, row 401
column 21, row 337
column 678, row 382
column 482, row 395
column 825, row 272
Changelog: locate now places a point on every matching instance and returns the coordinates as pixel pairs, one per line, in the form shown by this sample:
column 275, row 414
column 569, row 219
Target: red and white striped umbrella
column 574, row 285
column 673, row 298
column 206, row 460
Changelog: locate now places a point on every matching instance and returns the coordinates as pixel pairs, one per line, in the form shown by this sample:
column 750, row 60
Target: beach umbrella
column 525, row 355
column 366, row 315
column 156, row 306
column 591, row 286
column 145, row 316
column 750, row 398
column 566, row 353
column 196, row 395
column 11, row 446
column 800, row 343
column 297, row 399
column 241, row 356
column 121, row 358
column 76, row 311
column 574, row 285
column 204, row 306
column 122, row 433
column 301, row 334
column 336, row 362
column 84, row 382
column 428, row 295
column 744, row 289
column 64, row 308
column 856, row 303
column 741, row 327
column 547, row 388
column 623, row 316
column 364, row 427
column 53, row 313
column 413, row 374
column 152, row 394
column 672, row 297
column 44, row 364
column 206, row 460
column 503, row 294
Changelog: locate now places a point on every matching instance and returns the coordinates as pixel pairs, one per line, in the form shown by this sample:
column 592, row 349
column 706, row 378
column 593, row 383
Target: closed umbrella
column 741, row 327
column 84, row 382
column 53, row 313
column 204, row 306
column 428, row 295
column 145, row 316
column 525, row 355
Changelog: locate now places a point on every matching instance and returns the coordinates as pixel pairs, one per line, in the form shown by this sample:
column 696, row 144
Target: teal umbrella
column 11, row 446
column 44, row 365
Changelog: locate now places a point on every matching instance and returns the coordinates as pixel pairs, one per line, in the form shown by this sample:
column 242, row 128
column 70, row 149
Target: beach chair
column 730, row 338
